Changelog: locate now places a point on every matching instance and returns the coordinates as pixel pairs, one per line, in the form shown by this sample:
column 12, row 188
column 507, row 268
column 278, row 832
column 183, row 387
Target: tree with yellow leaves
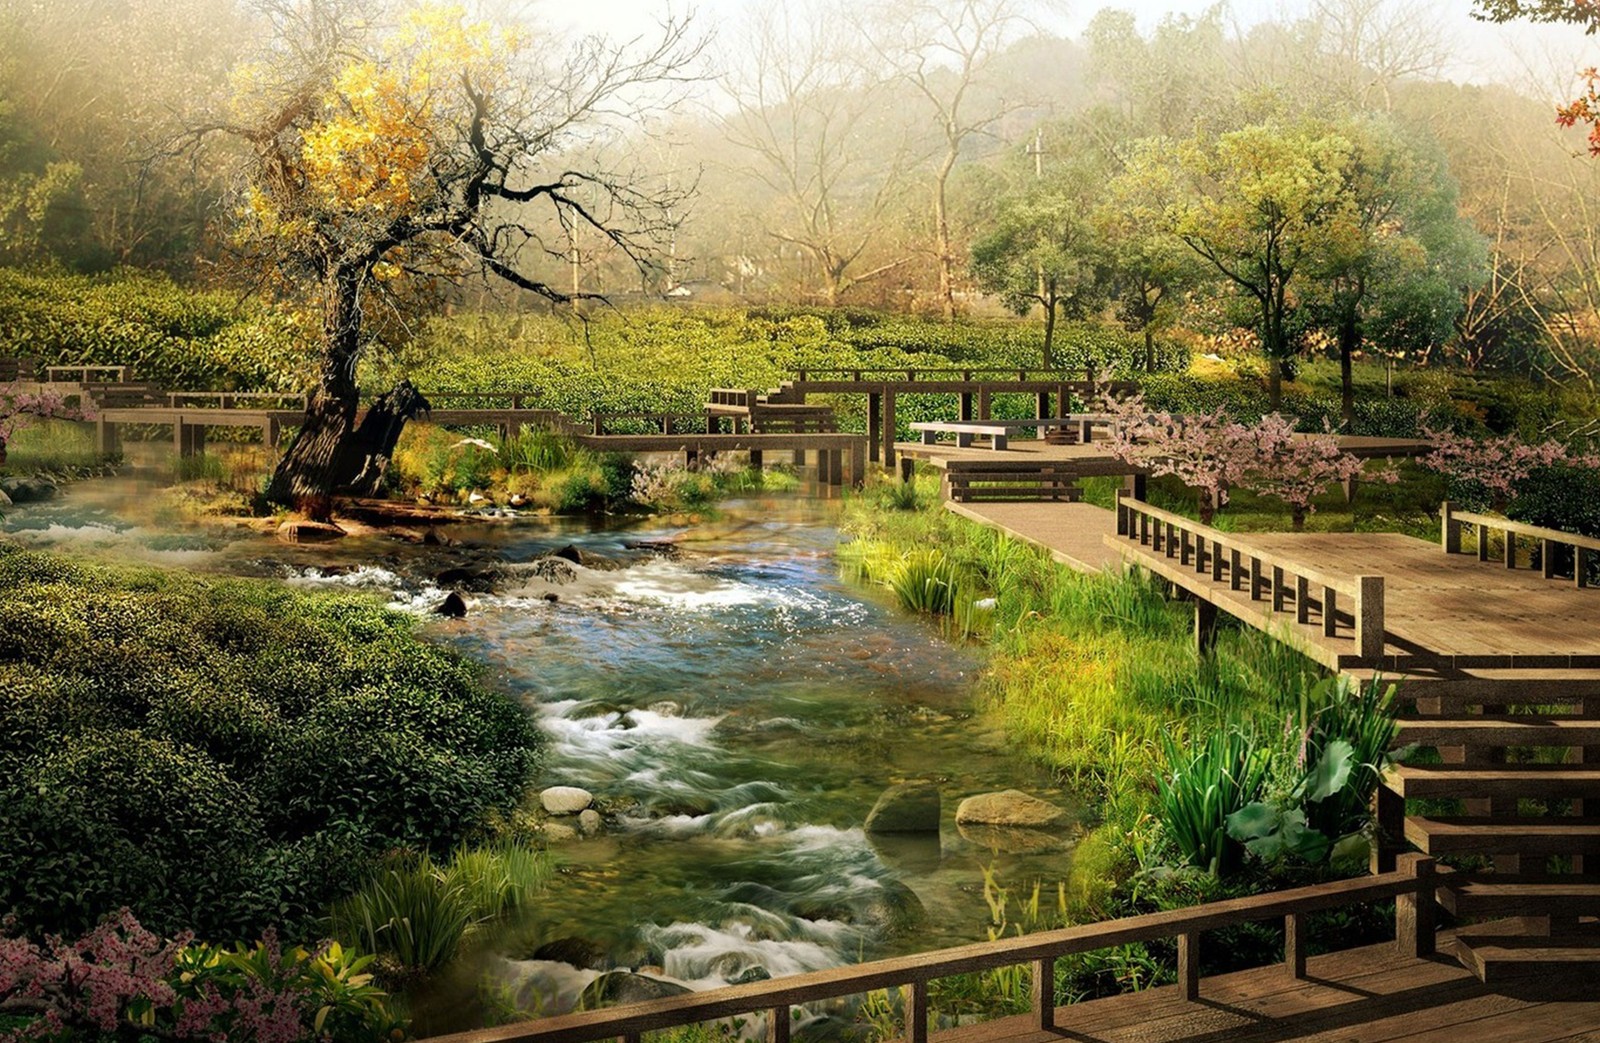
column 396, row 143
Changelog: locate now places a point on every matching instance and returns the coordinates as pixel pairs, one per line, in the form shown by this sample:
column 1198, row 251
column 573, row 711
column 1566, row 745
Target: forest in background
column 951, row 160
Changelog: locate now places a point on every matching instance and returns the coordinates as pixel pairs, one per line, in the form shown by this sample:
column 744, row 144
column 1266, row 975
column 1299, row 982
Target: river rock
column 589, row 822
column 572, row 553
column 24, row 489
column 575, row 952
column 1009, row 808
column 559, row 832
column 565, row 800
column 751, row 975
column 5, row 501
column 618, row 988
column 309, row 532
column 476, row 579
column 454, row 606
column 911, row 807
column 1010, row 840
column 553, row 570
column 436, row 538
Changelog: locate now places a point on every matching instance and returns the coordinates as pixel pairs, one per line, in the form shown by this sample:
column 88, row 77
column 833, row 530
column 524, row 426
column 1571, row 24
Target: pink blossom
column 1499, row 465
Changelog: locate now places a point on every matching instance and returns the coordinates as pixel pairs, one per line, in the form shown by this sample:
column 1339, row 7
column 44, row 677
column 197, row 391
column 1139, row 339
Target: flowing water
column 733, row 704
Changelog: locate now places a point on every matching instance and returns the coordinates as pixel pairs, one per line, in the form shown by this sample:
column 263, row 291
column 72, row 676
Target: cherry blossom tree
column 1493, row 468
column 1208, row 452
column 1295, row 467
column 20, row 408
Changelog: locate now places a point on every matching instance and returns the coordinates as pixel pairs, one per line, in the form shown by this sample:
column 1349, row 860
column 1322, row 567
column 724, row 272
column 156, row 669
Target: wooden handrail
column 1452, row 520
column 911, row 374
column 1200, row 544
column 1412, row 885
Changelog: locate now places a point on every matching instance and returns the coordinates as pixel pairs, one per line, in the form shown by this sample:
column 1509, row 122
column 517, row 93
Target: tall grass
column 417, row 912
column 1208, row 782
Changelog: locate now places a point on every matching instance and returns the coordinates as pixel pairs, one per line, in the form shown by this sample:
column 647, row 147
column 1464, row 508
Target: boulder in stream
column 911, row 807
column 476, row 579
column 618, row 988
column 1010, row 807
column 309, row 532
column 574, row 952
column 5, row 501
column 565, row 800
column 454, row 606
column 28, row 489
column 589, row 822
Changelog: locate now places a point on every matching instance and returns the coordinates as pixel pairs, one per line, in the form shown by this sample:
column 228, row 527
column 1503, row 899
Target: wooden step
column 1499, row 730
column 1532, row 781
column 1535, row 837
column 1497, row 959
column 1510, row 894
column 1456, row 694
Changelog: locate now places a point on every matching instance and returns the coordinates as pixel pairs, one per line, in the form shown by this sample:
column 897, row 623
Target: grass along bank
column 1096, row 676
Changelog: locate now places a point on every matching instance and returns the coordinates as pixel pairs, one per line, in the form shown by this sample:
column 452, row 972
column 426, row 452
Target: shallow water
column 735, row 707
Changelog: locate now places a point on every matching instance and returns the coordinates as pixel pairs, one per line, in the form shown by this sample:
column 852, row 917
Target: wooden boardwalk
column 1072, row 533
column 1367, row 995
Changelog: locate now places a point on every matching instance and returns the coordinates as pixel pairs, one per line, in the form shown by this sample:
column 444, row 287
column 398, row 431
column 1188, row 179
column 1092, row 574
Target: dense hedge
column 179, row 338
column 226, row 755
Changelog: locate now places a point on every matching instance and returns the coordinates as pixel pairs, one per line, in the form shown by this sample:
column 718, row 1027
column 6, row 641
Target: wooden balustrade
column 913, row 374
column 601, row 422
column 1452, row 522
column 85, row 374
column 1412, row 887
column 233, row 399
column 1268, row 576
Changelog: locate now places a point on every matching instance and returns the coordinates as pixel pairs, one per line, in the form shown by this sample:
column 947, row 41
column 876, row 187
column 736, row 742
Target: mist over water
column 734, row 706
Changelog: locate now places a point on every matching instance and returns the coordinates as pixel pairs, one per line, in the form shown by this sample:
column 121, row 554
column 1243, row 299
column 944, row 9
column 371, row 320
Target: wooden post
column 1369, row 617
column 888, row 428
column 1189, row 964
column 1235, row 560
column 1547, row 558
column 1511, row 549
column 1483, row 543
column 1389, row 821
column 1449, row 529
column 983, row 403
column 1580, row 567
column 1330, row 612
column 1043, row 402
column 1279, row 588
column 1205, row 626
column 1137, row 485
column 106, row 442
column 916, row 999
column 874, row 421
column 1414, row 913
column 756, row 460
column 858, row 462
column 964, row 410
column 1044, row 993
column 1294, row 945
column 778, row 1024
column 1302, row 600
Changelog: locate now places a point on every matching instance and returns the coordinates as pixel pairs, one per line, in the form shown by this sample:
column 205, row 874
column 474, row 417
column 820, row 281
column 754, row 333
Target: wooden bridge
column 1392, row 991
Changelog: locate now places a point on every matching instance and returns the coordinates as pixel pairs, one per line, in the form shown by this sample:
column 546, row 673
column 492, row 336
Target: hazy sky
column 1535, row 57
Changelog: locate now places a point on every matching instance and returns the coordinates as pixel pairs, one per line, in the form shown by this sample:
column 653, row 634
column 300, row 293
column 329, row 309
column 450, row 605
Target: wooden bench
column 964, row 432
column 999, row 431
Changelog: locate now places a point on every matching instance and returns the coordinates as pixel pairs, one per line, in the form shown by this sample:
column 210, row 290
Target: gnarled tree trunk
column 331, row 454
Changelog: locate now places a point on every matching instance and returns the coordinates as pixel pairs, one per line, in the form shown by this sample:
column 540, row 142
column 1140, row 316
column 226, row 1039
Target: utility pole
column 1037, row 151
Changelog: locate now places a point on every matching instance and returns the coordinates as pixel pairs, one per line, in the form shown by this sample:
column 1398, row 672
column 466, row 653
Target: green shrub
column 1204, row 784
column 224, row 756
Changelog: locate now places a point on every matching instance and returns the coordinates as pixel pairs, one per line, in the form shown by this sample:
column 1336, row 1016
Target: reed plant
column 1206, row 783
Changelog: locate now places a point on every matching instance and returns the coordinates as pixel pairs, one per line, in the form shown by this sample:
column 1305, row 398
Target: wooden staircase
column 1513, row 807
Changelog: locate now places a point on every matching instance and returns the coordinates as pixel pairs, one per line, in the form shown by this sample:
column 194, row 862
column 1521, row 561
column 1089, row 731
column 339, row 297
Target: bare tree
column 811, row 117
column 1367, row 47
column 427, row 146
column 946, row 51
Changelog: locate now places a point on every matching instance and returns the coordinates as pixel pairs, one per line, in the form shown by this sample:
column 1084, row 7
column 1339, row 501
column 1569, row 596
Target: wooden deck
column 1438, row 611
column 1072, row 533
column 1368, row 995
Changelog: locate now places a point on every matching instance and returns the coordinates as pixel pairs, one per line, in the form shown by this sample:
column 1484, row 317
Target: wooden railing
column 739, row 398
column 23, row 369
column 667, row 423
column 1265, row 574
column 237, row 399
column 1452, row 522
column 1412, row 886
column 481, row 399
column 913, row 374
column 86, row 374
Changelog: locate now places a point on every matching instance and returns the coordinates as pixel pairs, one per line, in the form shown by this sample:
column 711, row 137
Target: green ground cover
column 233, row 758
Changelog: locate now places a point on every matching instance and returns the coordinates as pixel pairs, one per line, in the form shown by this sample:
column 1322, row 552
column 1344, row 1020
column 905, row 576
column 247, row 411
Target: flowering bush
column 1213, row 454
column 120, row 975
column 1491, row 470
column 19, row 408
column 1294, row 467
column 1209, row 452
